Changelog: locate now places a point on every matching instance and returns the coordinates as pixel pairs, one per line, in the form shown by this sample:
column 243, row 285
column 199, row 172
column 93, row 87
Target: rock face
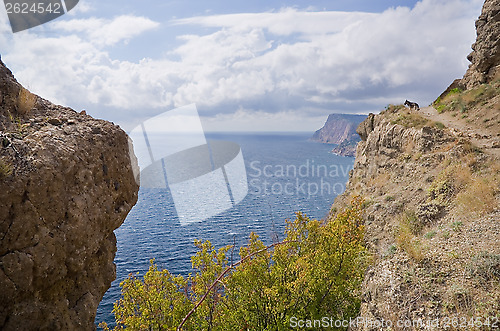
column 66, row 183
column 432, row 223
column 338, row 128
column 485, row 57
column 432, row 219
column 346, row 148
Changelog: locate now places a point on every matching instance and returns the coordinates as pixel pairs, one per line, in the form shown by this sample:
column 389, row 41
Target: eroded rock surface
column 66, row 183
column 485, row 57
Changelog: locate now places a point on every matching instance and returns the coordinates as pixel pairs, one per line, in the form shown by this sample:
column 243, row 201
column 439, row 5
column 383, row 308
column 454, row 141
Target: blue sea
column 286, row 173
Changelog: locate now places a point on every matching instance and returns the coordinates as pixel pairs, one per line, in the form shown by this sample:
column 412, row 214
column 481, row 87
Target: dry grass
column 380, row 181
column 406, row 239
column 478, row 184
column 460, row 300
column 469, row 185
column 411, row 120
column 5, row 169
column 25, row 101
column 410, row 244
column 478, row 197
column 410, row 147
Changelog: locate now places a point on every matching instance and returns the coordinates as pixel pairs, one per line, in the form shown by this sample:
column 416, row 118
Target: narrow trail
column 480, row 137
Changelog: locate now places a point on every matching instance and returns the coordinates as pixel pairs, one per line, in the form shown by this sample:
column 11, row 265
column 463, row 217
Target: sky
column 247, row 65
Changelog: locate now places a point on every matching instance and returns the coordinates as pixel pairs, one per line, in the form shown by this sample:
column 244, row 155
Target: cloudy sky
column 247, row 65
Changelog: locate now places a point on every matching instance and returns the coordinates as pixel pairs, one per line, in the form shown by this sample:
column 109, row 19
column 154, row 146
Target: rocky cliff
column 432, row 222
column 431, row 184
column 485, row 57
column 338, row 128
column 66, row 182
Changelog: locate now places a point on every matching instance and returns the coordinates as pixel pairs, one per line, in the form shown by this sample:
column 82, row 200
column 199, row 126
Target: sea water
column 286, row 174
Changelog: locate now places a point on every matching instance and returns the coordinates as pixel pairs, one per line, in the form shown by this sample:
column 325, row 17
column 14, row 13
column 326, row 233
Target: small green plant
column 457, row 225
column 485, row 266
column 389, row 198
column 391, row 250
column 461, row 298
column 430, row 234
column 439, row 125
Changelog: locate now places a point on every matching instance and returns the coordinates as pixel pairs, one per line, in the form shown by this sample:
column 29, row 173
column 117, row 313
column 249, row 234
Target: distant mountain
column 339, row 128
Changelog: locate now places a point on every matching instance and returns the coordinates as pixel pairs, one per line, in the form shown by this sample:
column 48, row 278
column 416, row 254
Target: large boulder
column 485, row 57
column 66, row 183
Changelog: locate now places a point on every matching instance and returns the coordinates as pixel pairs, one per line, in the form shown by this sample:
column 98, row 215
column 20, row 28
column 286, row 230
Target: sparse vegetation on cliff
column 433, row 221
column 479, row 105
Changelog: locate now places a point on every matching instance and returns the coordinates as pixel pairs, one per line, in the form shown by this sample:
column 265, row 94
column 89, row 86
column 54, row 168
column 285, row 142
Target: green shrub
column 439, row 125
column 391, row 250
column 389, row 198
column 457, row 225
column 430, row 234
column 316, row 271
column 485, row 266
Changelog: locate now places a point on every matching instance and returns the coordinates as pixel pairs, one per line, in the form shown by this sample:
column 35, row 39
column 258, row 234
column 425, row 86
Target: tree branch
column 179, row 328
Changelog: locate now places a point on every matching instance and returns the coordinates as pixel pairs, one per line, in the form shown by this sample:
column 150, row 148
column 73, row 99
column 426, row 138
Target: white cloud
column 83, row 7
column 107, row 32
column 263, row 121
column 286, row 22
column 303, row 62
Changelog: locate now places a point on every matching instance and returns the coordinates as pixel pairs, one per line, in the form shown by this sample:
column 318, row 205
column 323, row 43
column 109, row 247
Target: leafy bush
column 316, row 271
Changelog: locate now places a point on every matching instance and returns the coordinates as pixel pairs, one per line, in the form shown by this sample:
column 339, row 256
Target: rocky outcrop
column 338, row 128
column 485, row 57
column 66, row 182
column 431, row 196
column 432, row 223
column 346, row 148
